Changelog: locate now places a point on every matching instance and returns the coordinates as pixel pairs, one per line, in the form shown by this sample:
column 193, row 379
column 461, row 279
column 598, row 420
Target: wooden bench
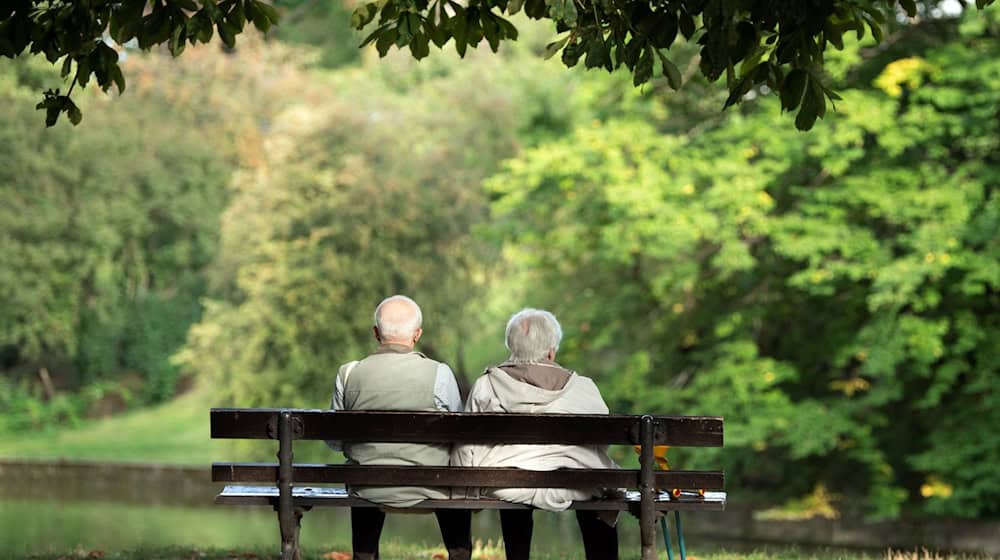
column 288, row 487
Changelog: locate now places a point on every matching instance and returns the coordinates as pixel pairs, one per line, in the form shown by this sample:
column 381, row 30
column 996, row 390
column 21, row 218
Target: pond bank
column 168, row 485
column 955, row 535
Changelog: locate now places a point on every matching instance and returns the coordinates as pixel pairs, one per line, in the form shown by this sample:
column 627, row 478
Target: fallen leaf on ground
column 337, row 556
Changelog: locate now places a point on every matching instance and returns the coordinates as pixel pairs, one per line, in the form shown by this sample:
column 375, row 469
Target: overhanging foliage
column 777, row 43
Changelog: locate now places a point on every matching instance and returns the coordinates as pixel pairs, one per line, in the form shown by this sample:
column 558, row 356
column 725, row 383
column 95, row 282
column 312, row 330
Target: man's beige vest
column 393, row 381
column 390, row 380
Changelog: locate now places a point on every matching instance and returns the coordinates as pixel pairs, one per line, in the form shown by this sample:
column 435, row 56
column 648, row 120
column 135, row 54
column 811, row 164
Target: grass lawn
column 175, row 432
column 482, row 552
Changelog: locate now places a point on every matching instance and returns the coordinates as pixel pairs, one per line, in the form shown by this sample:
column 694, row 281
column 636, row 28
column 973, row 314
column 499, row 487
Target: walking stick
column 680, row 534
column 666, row 538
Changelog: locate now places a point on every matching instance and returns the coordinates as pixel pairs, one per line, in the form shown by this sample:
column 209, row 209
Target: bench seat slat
column 441, row 427
column 338, row 497
column 485, row 477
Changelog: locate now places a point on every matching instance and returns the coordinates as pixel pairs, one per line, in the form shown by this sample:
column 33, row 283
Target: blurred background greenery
column 220, row 234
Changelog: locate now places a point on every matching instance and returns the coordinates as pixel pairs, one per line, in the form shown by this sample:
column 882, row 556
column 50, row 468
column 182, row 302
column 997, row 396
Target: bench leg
column 290, row 535
column 647, row 531
column 289, row 516
column 647, row 490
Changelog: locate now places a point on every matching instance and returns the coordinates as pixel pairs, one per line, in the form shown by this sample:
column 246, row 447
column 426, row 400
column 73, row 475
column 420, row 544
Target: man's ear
column 375, row 332
column 416, row 334
column 551, row 356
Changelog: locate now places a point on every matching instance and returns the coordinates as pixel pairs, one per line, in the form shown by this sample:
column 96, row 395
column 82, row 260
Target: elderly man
column 530, row 381
column 395, row 377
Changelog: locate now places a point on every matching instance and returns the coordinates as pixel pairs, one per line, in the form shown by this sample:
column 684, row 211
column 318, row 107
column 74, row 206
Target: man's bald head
column 398, row 320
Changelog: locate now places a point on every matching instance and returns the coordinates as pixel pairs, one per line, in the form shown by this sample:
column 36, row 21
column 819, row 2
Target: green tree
column 104, row 264
column 834, row 296
column 363, row 193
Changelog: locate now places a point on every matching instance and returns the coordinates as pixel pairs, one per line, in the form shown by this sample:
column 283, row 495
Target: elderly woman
column 530, row 381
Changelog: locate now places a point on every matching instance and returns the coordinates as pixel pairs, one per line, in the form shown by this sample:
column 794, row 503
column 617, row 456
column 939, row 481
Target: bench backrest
column 286, row 425
column 444, row 427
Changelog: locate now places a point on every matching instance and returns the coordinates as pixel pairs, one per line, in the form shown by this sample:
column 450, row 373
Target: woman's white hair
column 398, row 326
column 531, row 334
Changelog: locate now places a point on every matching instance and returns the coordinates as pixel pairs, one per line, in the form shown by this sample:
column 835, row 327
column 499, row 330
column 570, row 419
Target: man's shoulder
column 351, row 363
column 439, row 365
column 346, row 367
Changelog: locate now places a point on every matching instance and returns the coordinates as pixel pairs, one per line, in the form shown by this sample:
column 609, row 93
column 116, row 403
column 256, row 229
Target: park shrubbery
column 833, row 294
